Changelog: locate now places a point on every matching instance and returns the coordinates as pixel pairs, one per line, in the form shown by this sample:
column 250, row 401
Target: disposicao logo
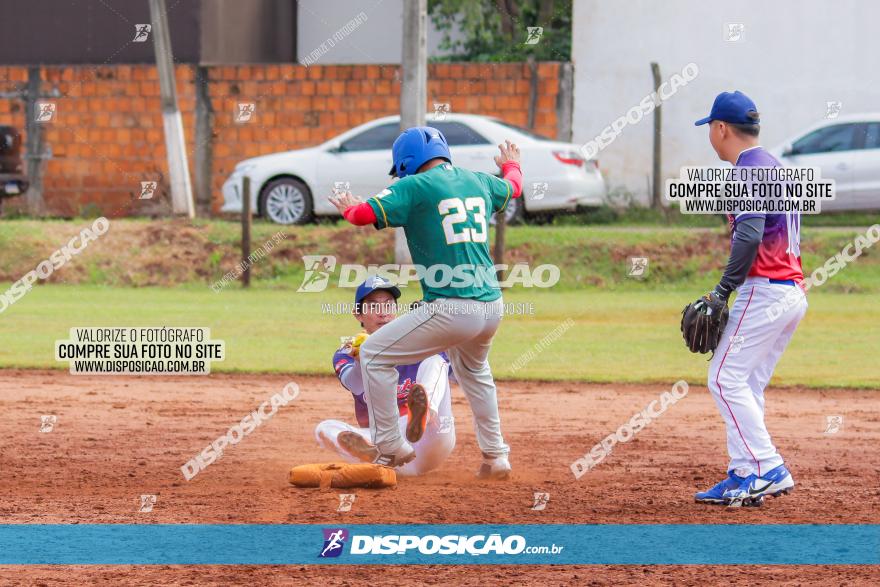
column 443, row 545
column 334, row 541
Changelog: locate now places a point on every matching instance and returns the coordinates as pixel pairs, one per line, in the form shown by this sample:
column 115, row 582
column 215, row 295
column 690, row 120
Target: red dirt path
column 119, row 437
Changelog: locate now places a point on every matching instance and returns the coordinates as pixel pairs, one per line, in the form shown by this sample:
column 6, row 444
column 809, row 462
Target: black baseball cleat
column 404, row 455
column 417, row 403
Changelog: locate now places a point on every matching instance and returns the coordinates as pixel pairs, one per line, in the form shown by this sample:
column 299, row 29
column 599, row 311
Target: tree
column 497, row 30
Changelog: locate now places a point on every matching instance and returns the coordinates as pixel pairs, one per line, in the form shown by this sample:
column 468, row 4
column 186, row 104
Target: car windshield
column 522, row 130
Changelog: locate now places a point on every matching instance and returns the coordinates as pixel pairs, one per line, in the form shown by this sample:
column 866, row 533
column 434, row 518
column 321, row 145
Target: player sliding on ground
column 423, row 398
column 444, row 211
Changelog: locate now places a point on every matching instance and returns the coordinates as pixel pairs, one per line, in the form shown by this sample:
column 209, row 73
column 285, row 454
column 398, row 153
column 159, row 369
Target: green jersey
column 445, row 214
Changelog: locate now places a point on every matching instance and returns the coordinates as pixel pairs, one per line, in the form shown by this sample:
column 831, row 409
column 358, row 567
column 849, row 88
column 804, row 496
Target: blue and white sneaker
column 715, row 495
column 752, row 490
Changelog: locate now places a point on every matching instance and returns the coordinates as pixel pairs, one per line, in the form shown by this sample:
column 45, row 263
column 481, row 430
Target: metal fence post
column 246, row 231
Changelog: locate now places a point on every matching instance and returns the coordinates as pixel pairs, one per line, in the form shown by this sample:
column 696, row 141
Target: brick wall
column 107, row 136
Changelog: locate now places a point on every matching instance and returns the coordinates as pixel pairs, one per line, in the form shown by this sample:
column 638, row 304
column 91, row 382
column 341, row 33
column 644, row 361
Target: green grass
column 618, row 336
column 692, row 257
column 139, row 253
column 625, row 329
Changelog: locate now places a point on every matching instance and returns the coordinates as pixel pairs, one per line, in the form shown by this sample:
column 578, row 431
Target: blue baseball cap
column 731, row 107
column 372, row 284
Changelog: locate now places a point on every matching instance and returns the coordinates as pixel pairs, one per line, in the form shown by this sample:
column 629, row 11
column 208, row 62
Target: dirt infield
column 116, row 438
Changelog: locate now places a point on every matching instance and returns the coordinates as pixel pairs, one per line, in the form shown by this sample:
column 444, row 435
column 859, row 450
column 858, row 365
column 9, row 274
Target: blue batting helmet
column 414, row 147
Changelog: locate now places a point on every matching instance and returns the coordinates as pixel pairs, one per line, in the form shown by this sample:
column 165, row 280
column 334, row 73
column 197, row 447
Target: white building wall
column 795, row 55
column 377, row 40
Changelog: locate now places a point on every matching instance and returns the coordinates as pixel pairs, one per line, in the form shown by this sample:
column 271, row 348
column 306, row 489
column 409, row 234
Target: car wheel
column 286, row 201
column 513, row 214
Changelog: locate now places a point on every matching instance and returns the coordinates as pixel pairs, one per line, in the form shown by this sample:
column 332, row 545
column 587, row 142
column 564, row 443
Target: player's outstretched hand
column 509, row 152
column 343, row 200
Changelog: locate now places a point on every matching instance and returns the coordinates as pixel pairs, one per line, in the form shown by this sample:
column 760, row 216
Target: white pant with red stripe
column 762, row 321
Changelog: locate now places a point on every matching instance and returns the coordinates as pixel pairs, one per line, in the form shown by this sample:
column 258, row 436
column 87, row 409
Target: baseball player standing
column 764, row 266
column 444, row 211
column 423, row 396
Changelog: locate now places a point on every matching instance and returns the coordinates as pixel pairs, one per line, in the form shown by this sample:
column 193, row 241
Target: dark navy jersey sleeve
column 747, row 235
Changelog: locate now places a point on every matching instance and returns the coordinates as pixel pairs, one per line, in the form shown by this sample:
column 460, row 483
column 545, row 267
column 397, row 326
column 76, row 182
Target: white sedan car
column 292, row 187
column 847, row 150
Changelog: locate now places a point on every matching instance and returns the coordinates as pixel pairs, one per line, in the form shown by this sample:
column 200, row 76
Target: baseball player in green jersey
column 444, row 211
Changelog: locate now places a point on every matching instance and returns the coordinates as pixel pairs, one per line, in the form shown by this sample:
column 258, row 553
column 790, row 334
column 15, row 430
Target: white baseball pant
column 750, row 347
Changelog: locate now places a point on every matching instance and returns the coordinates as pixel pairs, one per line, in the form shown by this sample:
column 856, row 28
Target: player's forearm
column 743, row 251
column 511, row 172
column 347, row 377
column 360, row 215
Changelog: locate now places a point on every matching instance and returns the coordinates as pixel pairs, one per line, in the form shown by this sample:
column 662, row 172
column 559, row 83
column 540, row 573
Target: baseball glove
column 703, row 322
column 352, row 344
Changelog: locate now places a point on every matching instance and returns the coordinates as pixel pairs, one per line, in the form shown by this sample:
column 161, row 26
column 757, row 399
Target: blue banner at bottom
column 524, row 544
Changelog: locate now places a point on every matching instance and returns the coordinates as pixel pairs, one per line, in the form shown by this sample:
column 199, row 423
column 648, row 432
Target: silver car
column 847, row 150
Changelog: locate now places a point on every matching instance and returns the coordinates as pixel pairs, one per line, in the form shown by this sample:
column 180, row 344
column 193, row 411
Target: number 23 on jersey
column 455, row 211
